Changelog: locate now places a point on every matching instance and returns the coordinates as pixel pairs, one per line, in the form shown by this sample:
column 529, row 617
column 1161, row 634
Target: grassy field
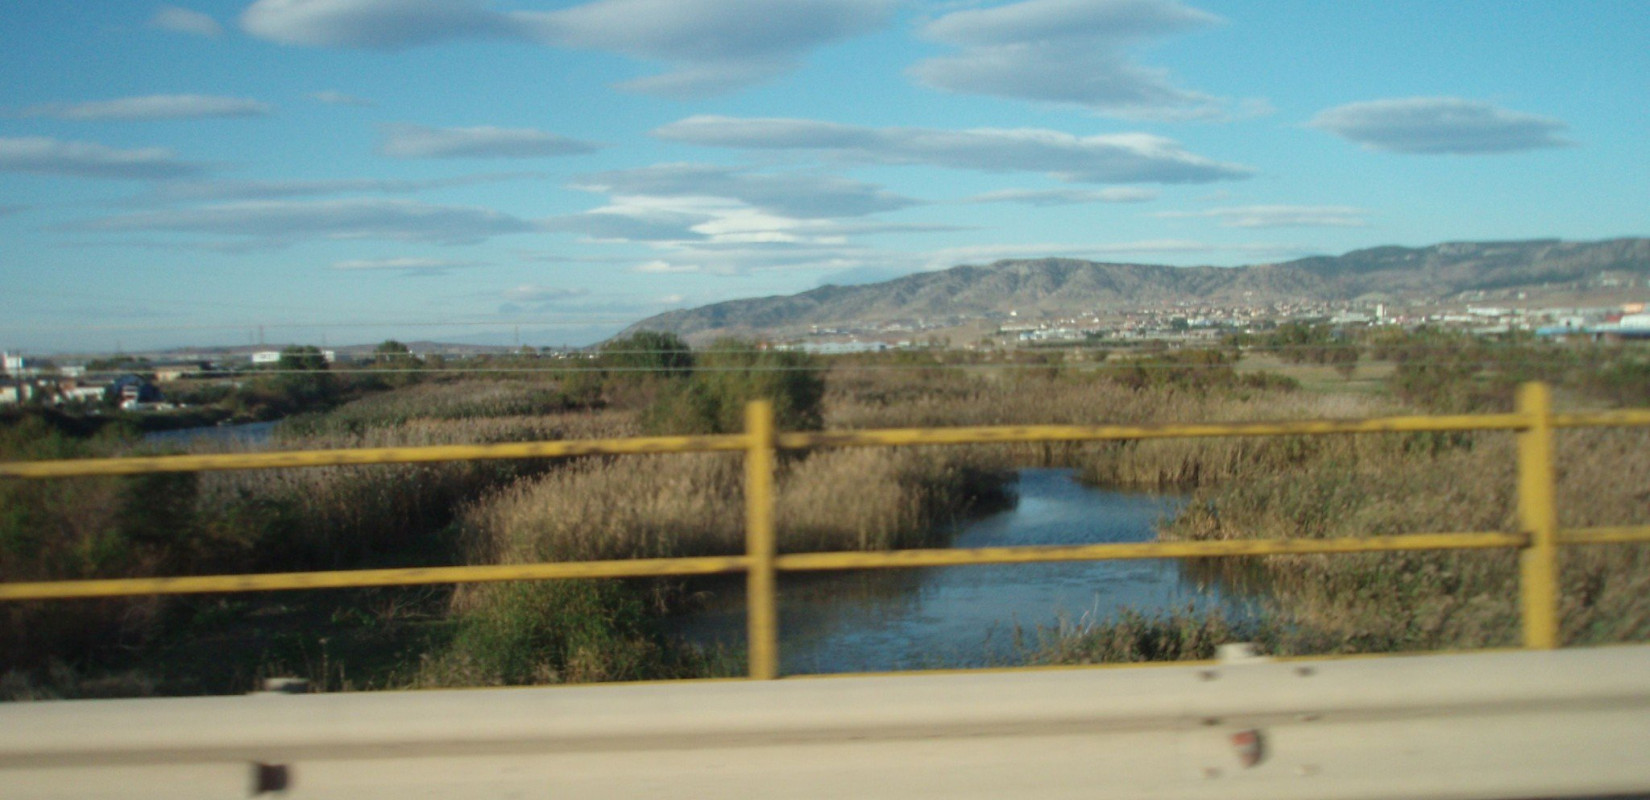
column 1367, row 377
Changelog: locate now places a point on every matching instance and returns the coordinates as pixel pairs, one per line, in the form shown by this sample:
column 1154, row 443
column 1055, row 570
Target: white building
column 274, row 356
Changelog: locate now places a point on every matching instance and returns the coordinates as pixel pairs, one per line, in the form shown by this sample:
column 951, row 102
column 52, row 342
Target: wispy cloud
column 198, row 191
column 745, row 257
column 333, row 97
column 630, row 224
column 152, row 107
column 417, row 141
column 711, row 45
column 1066, row 197
column 281, row 221
column 660, row 266
column 404, row 265
column 1278, row 216
column 686, row 221
column 1117, row 158
column 534, row 298
column 377, row 24
column 1068, row 51
column 1439, row 125
column 39, row 154
column 183, row 20
column 798, row 195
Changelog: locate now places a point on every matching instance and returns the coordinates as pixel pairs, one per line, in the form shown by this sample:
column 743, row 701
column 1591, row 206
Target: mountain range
column 1054, row 287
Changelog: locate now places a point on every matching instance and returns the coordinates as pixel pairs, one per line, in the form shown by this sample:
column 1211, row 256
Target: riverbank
column 861, row 498
column 881, row 620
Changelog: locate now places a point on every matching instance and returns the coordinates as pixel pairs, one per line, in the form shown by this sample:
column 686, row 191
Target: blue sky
column 353, row 170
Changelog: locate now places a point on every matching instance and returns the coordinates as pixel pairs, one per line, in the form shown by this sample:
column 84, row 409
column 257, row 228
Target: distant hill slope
column 1062, row 286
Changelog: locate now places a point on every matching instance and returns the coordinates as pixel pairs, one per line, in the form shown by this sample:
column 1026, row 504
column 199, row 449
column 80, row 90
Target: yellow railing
column 1538, row 539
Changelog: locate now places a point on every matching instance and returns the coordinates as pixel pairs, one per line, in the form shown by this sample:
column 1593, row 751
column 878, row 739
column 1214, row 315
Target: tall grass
column 991, row 398
column 668, row 506
column 1430, row 600
column 269, row 520
column 334, row 516
column 426, row 402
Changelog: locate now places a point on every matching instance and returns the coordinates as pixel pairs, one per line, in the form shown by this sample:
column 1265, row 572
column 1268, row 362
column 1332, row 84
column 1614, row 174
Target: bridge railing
column 1537, row 540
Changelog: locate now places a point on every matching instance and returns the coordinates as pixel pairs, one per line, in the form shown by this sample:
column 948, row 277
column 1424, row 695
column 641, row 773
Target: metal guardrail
column 1487, row 725
column 1538, row 539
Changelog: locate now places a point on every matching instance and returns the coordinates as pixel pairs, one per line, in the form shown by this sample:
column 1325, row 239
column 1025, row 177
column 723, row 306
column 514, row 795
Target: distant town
column 138, row 382
column 1187, row 323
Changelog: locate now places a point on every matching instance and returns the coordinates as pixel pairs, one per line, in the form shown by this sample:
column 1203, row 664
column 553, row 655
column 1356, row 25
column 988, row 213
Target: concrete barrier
column 1483, row 725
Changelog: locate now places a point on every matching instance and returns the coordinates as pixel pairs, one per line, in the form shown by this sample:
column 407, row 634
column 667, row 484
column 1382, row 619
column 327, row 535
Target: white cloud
column 660, row 266
column 1117, row 158
column 376, row 24
column 418, row 141
column 1279, row 216
column 534, row 293
column 1066, row 197
column 406, row 265
column 630, row 224
column 195, row 191
column 710, row 221
column 791, row 194
column 282, row 221
column 1068, row 51
column 1431, row 125
column 333, row 97
column 711, row 45
column 183, row 20
column 533, row 298
column 47, row 156
column 741, row 257
column 153, row 107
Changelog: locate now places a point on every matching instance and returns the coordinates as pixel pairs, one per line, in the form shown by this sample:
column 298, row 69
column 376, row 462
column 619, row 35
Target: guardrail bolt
column 285, row 686
column 268, row 778
column 1250, row 746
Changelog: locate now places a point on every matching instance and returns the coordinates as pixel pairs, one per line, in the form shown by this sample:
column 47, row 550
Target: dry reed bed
column 334, row 516
column 469, row 399
column 667, row 506
column 692, row 504
column 1430, row 600
column 929, row 400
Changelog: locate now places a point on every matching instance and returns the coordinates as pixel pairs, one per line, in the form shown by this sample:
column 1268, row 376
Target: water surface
column 247, row 432
column 973, row 615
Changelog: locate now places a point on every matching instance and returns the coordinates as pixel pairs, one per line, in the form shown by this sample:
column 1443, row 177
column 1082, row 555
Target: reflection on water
column 973, row 615
column 246, row 433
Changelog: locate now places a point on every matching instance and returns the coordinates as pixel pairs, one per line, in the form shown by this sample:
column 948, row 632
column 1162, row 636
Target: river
column 246, row 432
column 973, row 615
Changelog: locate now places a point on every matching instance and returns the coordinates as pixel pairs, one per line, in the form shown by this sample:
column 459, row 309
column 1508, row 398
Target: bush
column 649, row 352
column 728, row 376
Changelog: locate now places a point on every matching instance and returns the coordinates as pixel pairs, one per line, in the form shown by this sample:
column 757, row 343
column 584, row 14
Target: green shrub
column 730, row 375
column 648, row 351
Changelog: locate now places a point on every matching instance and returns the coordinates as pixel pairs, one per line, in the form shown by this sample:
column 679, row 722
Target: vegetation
column 657, row 506
column 729, row 375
